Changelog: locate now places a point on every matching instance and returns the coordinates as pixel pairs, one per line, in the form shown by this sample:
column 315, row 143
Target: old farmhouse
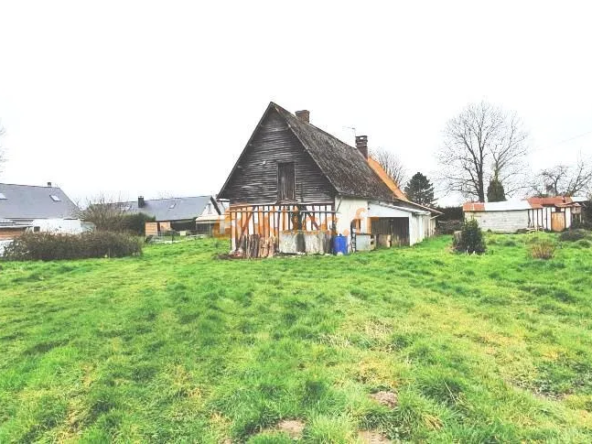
column 535, row 213
column 293, row 177
column 37, row 208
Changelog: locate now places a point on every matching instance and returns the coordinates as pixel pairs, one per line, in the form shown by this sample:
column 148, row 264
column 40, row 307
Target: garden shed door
column 558, row 221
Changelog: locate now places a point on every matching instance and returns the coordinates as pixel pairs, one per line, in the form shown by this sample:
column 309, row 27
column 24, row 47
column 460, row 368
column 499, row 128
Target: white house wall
column 349, row 209
column 500, row 221
column 67, row 226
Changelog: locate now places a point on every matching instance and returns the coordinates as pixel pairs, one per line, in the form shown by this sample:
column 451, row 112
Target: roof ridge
column 29, row 186
column 171, row 198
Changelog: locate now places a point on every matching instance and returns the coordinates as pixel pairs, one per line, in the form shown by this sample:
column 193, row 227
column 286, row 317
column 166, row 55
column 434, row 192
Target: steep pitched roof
column 176, row 208
column 34, row 202
column 343, row 165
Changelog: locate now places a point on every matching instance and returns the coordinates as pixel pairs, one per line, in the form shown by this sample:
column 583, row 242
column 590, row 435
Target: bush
column 449, row 226
column 136, row 223
column 542, row 250
column 471, row 238
column 52, row 246
column 573, row 235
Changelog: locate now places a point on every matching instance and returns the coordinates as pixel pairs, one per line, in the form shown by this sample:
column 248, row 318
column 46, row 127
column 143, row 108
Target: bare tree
column 481, row 144
column 104, row 212
column 391, row 164
column 564, row 180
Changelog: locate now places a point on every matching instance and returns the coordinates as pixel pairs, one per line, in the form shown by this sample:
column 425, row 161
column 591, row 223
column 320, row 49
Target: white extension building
column 535, row 213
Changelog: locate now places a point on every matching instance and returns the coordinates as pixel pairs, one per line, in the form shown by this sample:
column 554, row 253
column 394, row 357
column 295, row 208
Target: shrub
column 542, row 250
column 136, row 223
column 573, row 235
column 54, row 246
column 471, row 238
column 449, row 226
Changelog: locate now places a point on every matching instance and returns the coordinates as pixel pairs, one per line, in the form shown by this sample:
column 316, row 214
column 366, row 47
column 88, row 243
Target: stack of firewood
column 256, row 246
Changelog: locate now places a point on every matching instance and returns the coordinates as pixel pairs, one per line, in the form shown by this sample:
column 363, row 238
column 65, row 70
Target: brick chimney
column 362, row 145
column 141, row 202
column 49, row 184
column 303, row 115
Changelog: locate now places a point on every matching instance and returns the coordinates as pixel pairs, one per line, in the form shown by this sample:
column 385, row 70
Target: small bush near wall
column 53, row 246
column 573, row 235
column 450, row 220
column 471, row 238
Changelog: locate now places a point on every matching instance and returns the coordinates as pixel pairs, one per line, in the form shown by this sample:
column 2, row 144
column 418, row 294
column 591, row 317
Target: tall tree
column 481, row 144
column 495, row 191
column 564, row 180
column 391, row 164
column 420, row 190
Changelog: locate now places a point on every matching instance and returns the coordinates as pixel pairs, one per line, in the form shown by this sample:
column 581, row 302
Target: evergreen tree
column 420, row 190
column 495, row 191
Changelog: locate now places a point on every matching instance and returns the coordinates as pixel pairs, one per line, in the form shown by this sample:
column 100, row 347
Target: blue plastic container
column 340, row 244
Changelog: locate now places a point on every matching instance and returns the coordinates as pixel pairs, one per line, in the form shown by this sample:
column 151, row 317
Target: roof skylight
column 2, row 196
column 55, row 198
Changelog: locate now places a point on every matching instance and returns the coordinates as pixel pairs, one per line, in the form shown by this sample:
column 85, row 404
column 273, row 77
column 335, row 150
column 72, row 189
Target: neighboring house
column 293, row 176
column 37, row 208
column 202, row 214
column 535, row 213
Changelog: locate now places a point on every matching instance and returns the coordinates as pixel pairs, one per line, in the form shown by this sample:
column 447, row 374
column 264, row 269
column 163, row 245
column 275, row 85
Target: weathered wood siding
column 255, row 180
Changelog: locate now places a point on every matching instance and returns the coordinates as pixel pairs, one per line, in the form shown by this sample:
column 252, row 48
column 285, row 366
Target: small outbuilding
column 535, row 213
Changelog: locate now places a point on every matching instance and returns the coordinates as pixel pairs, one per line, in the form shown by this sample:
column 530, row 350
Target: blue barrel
column 340, row 244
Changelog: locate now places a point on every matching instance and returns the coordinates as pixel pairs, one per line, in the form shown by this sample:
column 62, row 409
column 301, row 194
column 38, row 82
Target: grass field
column 180, row 346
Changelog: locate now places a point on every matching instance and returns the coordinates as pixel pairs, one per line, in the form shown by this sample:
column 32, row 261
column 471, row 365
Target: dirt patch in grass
column 373, row 438
column 292, row 428
column 388, row 399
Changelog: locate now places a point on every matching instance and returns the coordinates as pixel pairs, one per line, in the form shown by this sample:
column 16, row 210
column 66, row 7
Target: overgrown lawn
column 180, row 346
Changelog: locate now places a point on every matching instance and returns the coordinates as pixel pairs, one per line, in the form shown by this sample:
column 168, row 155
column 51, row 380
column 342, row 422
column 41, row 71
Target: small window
column 55, row 198
column 2, row 196
column 286, row 182
column 36, row 229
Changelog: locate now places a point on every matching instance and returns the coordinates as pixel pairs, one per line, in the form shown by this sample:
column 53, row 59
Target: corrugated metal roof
column 35, row 202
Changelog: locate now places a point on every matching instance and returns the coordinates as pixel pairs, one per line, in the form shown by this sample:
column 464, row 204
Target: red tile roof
column 556, row 201
column 473, row 206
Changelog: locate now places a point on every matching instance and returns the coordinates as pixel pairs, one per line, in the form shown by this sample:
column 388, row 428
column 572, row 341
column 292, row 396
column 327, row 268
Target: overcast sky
column 159, row 98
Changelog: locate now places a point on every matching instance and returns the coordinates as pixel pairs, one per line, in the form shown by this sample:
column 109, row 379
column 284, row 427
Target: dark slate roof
column 33, row 202
column 343, row 165
column 176, row 208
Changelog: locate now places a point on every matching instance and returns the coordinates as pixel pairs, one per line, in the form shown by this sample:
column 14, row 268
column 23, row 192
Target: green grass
column 180, row 346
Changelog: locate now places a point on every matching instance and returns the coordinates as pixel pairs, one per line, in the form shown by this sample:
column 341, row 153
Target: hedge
column 55, row 246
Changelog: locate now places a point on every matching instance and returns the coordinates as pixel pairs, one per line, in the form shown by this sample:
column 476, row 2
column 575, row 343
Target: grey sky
column 159, row 98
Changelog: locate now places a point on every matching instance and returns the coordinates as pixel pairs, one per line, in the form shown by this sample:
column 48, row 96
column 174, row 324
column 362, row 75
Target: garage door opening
column 391, row 231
